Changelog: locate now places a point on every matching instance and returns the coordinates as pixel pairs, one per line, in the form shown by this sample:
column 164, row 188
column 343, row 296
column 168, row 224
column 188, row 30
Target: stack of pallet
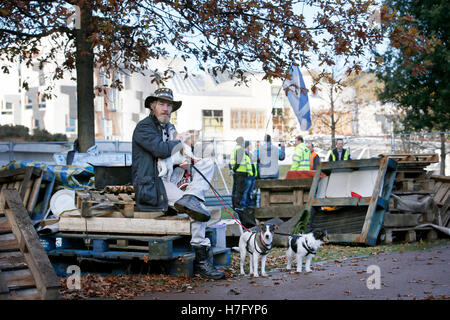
column 411, row 203
column 411, row 174
column 107, row 226
column 25, row 269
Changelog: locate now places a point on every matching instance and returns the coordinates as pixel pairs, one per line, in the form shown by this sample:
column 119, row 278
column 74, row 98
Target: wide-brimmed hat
column 163, row 94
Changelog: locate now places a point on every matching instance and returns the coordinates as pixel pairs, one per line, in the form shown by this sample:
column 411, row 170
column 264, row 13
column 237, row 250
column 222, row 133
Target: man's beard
column 164, row 119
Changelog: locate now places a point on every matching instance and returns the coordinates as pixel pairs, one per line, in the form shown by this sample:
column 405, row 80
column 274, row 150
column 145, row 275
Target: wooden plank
column 26, row 294
column 4, row 225
column 277, row 211
column 18, row 279
column 13, row 178
column 147, row 215
column 12, row 260
column 283, row 183
column 444, row 199
column 313, row 190
column 320, row 202
column 112, row 197
column 402, row 220
column 281, row 198
column 441, row 193
column 373, row 202
column 167, row 226
column 25, row 183
column 4, row 291
column 352, row 164
column 125, row 197
column 34, row 193
column 299, row 197
column 8, row 242
column 437, row 186
column 264, row 200
column 12, row 174
column 37, row 260
column 445, row 179
column 343, row 237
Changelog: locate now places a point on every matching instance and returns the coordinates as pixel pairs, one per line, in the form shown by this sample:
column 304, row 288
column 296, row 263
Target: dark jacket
column 147, row 147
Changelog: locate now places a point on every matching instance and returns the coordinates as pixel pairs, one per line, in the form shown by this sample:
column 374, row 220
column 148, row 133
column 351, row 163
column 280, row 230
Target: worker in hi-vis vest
column 301, row 156
column 239, row 168
column 252, row 170
column 315, row 159
column 339, row 153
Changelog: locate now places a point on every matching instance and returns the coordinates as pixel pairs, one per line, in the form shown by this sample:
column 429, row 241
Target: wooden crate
column 281, row 198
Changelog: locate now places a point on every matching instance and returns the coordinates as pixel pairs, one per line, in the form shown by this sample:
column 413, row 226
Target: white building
column 213, row 105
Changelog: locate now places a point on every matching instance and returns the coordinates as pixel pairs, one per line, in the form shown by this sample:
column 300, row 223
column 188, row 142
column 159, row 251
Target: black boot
column 203, row 263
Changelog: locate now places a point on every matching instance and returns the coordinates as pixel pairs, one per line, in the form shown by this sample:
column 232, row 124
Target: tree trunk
column 85, row 81
column 443, row 155
column 333, row 122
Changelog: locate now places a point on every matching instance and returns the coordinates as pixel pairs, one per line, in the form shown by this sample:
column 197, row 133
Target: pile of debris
column 417, row 201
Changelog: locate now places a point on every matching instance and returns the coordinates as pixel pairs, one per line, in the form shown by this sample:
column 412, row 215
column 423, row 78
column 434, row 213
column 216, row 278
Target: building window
column 8, row 106
column 41, row 100
column 70, row 124
column 213, row 122
column 247, row 119
column 28, row 102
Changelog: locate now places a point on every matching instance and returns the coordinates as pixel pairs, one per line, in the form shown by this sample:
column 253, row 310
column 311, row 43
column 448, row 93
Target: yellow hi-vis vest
column 344, row 157
column 301, row 158
column 242, row 165
column 248, row 165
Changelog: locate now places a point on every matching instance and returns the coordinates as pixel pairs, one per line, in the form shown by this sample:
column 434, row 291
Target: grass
column 334, row 252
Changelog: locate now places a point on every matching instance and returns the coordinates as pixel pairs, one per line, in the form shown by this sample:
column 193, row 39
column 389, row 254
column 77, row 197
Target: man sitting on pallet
column 155, row 137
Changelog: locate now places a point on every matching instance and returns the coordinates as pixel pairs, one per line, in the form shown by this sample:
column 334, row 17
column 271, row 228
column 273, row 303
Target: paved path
column 409, row 275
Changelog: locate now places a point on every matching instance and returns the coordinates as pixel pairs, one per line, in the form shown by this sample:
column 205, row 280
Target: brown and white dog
column 304, row 245
column 258, row 243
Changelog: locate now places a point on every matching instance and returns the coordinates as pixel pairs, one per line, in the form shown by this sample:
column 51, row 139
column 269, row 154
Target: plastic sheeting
column 74, row 177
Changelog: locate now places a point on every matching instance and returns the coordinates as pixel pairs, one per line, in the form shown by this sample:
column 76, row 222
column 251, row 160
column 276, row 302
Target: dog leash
column 285, row 234
column 217, row 196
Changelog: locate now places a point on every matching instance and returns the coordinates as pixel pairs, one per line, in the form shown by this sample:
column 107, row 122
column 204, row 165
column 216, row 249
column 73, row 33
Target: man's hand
column 183, row 137
column 185, row 165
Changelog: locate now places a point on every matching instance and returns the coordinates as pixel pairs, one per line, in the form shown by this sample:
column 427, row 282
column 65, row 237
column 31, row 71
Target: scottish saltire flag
column 298, row 97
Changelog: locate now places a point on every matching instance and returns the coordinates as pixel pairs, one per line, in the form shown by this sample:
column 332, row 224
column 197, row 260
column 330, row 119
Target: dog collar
column 268, row 247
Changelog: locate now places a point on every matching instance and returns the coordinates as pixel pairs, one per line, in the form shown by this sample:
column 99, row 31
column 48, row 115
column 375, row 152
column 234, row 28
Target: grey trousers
column 197, row 187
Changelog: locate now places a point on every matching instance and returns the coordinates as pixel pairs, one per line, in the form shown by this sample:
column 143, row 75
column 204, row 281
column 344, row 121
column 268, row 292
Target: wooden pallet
column 413, row 185
column 25, row 269
column 88, row 201
column 412, row 158
column 172, row 250
column 363, row 225
column 407, row 234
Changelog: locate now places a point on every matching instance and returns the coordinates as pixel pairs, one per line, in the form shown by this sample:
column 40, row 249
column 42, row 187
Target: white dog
column 165, row 166
column 304, row 245
column 257, row 243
